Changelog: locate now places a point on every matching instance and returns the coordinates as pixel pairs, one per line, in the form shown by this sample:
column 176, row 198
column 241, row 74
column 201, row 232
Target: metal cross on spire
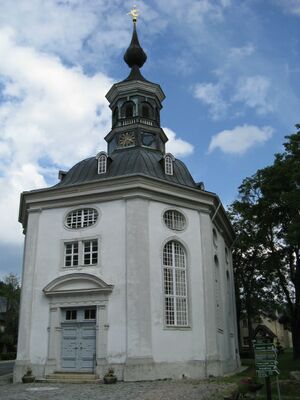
column 134, row 14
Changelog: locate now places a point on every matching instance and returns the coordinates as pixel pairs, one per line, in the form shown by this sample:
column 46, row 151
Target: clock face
column 148, row 139
column 127, row 139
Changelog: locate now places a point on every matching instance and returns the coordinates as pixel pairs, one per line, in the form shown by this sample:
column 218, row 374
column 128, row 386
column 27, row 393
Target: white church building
column 127, row 261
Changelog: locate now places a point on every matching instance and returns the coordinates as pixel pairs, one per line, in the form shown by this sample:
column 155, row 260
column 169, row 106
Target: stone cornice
column 131, row 87
column 140, row 186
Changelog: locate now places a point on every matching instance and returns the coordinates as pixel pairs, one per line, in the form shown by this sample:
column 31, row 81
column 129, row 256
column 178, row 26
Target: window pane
column 169, row 311
column 90, row 256
column 71, row 315
column 90, row 314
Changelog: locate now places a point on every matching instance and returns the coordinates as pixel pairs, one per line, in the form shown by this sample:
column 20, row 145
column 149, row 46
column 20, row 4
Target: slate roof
column 128, row 162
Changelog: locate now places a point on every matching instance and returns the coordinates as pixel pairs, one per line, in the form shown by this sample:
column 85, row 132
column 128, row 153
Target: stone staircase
column 69, row 377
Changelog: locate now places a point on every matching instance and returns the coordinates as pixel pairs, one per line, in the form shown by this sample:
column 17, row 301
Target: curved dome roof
column 128, row 162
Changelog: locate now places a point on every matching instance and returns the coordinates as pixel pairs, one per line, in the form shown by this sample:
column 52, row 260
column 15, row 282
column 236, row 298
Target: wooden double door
column 78, row 347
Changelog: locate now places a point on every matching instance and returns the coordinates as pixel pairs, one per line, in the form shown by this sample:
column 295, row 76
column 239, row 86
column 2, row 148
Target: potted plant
column 28, row 377
column 249, row 386
column 110, row 377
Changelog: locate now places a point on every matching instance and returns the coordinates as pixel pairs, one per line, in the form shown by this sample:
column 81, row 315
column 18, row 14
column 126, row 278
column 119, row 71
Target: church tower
column 127, row 260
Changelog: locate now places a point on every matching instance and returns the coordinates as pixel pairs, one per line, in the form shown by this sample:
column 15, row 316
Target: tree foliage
column 10, row 290
column 267, row 221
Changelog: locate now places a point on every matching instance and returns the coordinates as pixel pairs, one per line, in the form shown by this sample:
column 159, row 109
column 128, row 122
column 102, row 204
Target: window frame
column 169, row 164
column 81, row 209
column 101, row 163
column 175, row 210
column 81, row 264
column 188, row 312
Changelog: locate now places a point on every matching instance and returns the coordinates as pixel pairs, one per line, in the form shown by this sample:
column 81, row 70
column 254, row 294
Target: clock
column 148, row 139
column 126, row 139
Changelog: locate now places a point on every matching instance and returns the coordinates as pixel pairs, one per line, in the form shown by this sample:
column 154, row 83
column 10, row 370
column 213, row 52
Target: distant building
column 268, row 328
column 127, row 260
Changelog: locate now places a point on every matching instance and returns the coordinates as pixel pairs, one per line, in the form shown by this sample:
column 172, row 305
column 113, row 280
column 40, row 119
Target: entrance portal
column 78, row 348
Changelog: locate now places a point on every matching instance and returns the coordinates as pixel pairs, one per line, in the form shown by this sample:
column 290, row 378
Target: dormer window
column 102, row 162
column 169, row 160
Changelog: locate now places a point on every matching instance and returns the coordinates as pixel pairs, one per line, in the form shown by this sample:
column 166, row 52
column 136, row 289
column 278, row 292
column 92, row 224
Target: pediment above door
column 77, row 283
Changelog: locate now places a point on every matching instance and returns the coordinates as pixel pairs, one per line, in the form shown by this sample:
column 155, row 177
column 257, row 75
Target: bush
column 7, row 356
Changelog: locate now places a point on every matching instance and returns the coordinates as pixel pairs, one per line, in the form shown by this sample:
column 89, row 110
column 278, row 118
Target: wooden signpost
column 266, row 363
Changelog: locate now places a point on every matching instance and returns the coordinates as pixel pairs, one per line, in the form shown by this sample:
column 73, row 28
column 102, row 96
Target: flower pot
column 28, row 379
column 254, row 387
column 110, row 379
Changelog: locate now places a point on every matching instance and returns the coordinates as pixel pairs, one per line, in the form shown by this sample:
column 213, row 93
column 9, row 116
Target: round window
column 174, row 220
column 81, row 218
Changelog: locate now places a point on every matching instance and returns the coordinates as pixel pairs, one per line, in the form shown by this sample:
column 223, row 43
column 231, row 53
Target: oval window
column 81, row 218
column 174, row 220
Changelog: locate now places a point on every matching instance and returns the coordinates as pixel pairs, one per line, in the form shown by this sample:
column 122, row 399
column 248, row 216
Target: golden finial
column 134, row 14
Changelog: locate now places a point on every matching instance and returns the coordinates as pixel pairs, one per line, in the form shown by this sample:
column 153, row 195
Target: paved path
column 159, row 390
column 6, row 367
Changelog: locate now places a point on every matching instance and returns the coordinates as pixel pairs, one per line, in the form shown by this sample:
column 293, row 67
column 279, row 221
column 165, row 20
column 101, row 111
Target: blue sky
column 230, row 71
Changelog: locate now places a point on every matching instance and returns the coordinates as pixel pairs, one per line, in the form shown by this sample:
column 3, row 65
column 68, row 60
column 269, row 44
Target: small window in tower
column 102, row 162
column 169, row 159
column 115, row 115
column 128, row 109
column 146, row 110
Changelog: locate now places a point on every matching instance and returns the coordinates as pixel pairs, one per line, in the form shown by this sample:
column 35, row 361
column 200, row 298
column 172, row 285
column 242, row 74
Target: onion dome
column 135, row 55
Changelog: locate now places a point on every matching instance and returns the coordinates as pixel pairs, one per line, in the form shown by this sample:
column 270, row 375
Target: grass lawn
column 289, row 391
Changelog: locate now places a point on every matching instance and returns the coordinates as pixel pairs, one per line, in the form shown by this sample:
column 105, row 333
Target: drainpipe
column 216, row 212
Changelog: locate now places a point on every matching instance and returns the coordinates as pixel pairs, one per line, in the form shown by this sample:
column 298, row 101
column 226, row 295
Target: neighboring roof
column 128, row 162
column 263, row 330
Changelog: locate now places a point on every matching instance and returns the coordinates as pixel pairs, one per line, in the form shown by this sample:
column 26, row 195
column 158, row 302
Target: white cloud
column 241, row 52
column 289, row 6
column 177, row 146
column 48, row 112
column 240, row 139
column 253, row 91
column 211, row 95
column 51, row 116
column 194, row 12
column 16, row 178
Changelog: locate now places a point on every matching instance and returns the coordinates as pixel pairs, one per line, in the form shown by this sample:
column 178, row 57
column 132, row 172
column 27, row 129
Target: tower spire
column 135, row 57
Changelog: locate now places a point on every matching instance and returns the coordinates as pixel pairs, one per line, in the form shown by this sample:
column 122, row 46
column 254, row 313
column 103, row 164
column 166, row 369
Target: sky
column 229, row 68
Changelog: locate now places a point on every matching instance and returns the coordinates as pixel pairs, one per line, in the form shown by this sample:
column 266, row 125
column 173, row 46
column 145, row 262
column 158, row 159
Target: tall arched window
column 175, row 284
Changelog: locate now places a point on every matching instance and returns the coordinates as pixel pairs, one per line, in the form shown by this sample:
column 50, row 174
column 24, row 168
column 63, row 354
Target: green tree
column 10, row 290
column 270, row 201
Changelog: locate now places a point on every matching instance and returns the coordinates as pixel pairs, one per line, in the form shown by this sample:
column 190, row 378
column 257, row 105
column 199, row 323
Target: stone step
column 75, row 381
column 71, row 375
